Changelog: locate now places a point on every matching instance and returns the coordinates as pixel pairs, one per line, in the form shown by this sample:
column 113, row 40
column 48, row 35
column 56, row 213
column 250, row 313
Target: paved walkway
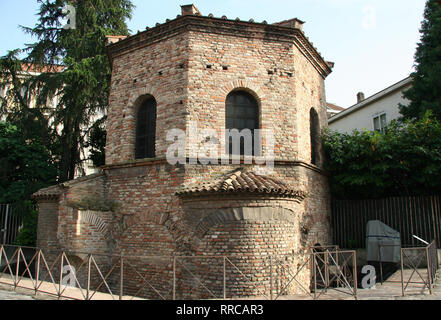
column 11, row 295
column 48, row 290
column 390, row 290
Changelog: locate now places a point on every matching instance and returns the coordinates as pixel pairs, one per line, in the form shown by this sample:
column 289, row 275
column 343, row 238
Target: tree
column 16, row 105
column 424, row 94
column 25, row 165
column 84, row 84
column 28, row 233
column 97, row 143
column 405, row 161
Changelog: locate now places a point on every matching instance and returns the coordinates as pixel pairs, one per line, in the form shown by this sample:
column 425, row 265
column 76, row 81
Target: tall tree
column 16, row 102
column 83, row 85
column 25, row 165
column 425, row 93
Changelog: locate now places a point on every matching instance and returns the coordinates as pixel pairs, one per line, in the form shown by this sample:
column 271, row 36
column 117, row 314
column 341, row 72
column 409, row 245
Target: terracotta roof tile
column 335, row 107
column 30, row 67
column 49, row 193
column 54, row 192
column 242, row 181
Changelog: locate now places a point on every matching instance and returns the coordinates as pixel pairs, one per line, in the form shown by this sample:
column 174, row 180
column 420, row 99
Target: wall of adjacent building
column 363, row 118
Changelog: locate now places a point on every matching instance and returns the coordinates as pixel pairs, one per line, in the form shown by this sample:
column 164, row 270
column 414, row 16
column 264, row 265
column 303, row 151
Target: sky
column 371, row 42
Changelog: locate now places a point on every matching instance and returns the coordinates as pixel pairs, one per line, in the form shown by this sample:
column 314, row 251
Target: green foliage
column 424, row 95
column 97, row 143
column 16, row 104
column 84, row 84
column 406, row 160
column 25, row 165
column 41, row 143
column 28, row 234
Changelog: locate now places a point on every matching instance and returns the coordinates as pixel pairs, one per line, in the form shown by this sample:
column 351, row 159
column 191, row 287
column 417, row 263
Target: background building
column 30, row 96
column 372, row 113
column 333, row 110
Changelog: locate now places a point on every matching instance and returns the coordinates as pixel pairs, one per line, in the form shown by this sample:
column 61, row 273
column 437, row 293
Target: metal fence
column 10, row 224
column 423, row 264
column 420, row 216
column 104, row 277
column 333, row 270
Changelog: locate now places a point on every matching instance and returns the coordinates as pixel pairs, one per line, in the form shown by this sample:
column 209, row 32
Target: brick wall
column 189, row 66
column 159, row 70
column 47, row 225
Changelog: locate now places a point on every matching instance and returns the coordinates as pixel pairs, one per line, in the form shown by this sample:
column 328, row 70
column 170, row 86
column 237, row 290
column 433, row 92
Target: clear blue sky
column 372, row 42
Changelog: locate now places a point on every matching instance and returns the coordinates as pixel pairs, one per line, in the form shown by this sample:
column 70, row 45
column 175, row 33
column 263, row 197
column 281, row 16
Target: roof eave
column 185, row 22
column 399, row 85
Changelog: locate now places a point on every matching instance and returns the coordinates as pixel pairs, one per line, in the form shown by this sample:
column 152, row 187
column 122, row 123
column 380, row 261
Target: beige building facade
column 373, row 113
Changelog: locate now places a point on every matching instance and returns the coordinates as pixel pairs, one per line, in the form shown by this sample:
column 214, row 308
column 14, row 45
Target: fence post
column 89, row 263
column 61, row 275
column 355, row 273
column 402, row 272
column 38, row 270
column 17, row 270
column 429, row 270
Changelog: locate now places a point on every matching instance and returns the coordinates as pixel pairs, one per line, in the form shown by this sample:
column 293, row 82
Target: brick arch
column 135, row 95
column 245, row 85
column 93, row 219
column 176, row 228
column 257, row 214
column 133, row 220
column 139, row 101
column 134, row 102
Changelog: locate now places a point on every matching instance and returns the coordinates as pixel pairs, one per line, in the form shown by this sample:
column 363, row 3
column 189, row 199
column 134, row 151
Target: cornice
column 222, row 27
column 190, row 162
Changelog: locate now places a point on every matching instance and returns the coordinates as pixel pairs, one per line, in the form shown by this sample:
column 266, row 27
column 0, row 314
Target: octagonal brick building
column 218, row 74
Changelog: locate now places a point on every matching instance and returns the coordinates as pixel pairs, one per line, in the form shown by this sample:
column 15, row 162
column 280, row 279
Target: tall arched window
column 314, row 123
column 146, row 129
column 242, row 112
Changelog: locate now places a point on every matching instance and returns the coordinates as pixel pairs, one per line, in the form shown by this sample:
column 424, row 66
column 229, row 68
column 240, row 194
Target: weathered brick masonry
column 148, row 207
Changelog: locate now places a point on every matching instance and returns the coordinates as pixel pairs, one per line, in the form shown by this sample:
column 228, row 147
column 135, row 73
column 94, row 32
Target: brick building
column 201, row 70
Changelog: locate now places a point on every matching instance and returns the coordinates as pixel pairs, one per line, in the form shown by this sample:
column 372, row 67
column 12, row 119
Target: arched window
column 315, row 136
column 146, row 129
column 242, row 112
